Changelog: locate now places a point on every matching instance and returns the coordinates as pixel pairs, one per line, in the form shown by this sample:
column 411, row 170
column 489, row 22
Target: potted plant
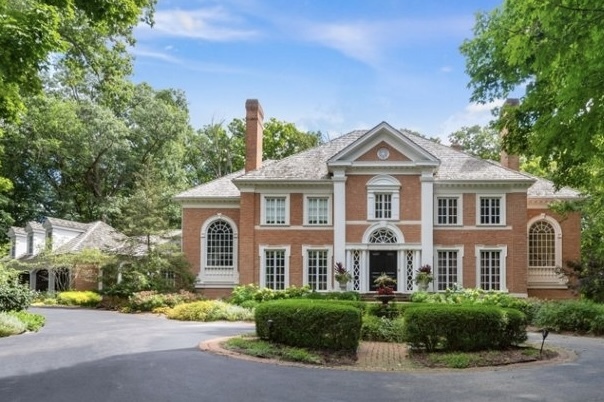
column 385, row 288
column 342, row 275
column 424, row 277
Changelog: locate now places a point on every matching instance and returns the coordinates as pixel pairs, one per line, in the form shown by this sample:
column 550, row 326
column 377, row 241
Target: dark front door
column 382, row 261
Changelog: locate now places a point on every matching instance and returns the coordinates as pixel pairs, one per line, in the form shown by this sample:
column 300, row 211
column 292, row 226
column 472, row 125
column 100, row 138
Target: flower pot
column 423, row 286
column 343, row 286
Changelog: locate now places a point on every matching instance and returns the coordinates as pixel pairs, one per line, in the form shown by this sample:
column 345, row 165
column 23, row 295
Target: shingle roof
column 545, row 189
column 98, row 235
column 311, row 165
column 18, row 231
column 64, row 223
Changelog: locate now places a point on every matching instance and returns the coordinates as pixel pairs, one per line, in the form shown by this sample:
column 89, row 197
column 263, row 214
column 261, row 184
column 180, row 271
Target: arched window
column 542, row 245
column 383, row 236
column 219, row 245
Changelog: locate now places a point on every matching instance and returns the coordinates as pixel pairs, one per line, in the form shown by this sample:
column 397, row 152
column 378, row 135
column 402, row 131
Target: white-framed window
column 13, row 247
column 544, row 250
column 275, row 210
column 491, row 268
column 317, row 263
column 30, row 243
column 448, row 268
column 448, row 210
column 219, row 245
column 383, row 198
column 275, row 267
column 490, row 210
column 317, row 210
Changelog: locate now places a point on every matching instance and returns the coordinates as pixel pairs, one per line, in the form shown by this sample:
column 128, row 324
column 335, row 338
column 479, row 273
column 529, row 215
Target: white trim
column 459, row 198
column 339, row 214
column 233, row 277
column 383, row 225
column 503, row 249
column 460, row 255
column 262, row 251
column 384, row 184
column 263, row 208
column 484, row 227
column 427, row 211
column 330, row 262
column 306, row 206
column 535, row 280
column 502, row 209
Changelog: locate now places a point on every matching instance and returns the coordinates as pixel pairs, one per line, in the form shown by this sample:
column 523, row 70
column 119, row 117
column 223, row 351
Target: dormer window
column 383, row 198
column 49, row 239
column 13, row 247
column 30, row 243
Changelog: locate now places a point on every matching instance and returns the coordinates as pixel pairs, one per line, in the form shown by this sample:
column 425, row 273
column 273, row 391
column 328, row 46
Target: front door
column 382, row 261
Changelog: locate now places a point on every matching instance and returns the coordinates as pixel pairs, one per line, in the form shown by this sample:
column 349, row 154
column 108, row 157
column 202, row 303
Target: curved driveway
column 87, row 355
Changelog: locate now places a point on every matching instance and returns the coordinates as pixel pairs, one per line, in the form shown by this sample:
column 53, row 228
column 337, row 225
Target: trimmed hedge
column 579, row 316
column 463, row 327
column 79, row 298
column 317, row 324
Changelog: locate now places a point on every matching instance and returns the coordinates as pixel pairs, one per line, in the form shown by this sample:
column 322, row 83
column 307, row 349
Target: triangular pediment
column 384, row 145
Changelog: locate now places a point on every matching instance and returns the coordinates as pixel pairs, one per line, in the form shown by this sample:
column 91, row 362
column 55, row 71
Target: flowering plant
column 341, row 274
column 385, row 284
column 424, row 275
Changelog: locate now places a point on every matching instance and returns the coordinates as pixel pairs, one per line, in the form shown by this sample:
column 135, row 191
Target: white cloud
column 446, row 69
column 142, row 52
column 472, row 114
column 211, row 24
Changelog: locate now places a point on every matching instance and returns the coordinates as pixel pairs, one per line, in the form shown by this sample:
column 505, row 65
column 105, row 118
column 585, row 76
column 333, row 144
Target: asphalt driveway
column 87, row 355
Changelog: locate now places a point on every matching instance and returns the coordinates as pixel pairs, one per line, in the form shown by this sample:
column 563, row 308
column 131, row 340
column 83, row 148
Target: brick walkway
column 382, row 356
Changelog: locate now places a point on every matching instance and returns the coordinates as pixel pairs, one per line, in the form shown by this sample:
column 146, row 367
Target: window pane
column 274, row 263
column 317, row 210
column 317, row 269
column 490, row 270
column 274, row 212
column 219, row 245
column 490, row 211
column 542, row 245
column 447, row 211
column 383, row 206
column 446, row 271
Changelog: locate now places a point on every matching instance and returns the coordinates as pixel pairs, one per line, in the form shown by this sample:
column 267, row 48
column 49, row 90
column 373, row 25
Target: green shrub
column 315, row 324
column 579, row 316
column 33, row 322
column 15, row 297
column 460, row 295
column 463, row 327
column 349, row 295
column 249, row 304
column 150, row 300
column 243, row 293
column 79, row 298
column 382, row 329
column 209, row 310
column 11, row 325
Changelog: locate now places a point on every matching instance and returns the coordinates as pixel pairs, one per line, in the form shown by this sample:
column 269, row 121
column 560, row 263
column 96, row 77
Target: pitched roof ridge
column 80, row 239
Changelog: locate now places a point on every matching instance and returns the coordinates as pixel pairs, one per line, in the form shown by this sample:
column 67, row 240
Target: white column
column 51, row 280
column 32, row 279
column 339, row 216
column 427, row 238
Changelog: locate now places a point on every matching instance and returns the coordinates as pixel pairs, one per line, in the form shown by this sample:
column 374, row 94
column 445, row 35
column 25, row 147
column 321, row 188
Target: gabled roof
column 16, row 231
column 64, row 223
column 34, row 226
column 313, row 165
column 98, row 235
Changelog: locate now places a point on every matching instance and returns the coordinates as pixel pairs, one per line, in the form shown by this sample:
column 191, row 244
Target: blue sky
column 328, row 65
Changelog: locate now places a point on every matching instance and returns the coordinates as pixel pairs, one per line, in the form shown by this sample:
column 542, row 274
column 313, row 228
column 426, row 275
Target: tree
column 550, row 50
column 482, row 142
column 215, row 152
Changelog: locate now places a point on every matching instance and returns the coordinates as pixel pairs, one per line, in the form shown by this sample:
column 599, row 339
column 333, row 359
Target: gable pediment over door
column 384, row 146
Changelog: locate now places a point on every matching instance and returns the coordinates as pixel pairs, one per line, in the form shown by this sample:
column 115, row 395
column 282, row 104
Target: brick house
column 378, row 200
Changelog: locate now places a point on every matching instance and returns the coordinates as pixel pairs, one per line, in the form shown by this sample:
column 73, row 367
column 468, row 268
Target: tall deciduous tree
column 551, row 51
column 483, row 142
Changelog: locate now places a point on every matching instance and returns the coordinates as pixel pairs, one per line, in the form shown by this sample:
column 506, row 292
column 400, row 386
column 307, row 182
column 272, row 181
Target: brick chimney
column 253, row 134
column 509, row 161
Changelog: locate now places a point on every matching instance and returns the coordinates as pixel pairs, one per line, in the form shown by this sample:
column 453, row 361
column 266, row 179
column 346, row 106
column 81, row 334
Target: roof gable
column 400, row 149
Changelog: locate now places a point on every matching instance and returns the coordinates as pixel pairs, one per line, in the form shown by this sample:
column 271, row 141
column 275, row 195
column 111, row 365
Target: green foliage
column 79, row 298
column 264, row 349
column 348, row 295
column 150, row 300
column 33, row 322
column 579, row 316
column 252, row 291
column 382, row 329
column 11, row 325
column 478, row 296
column 482, row 142
column 15, row 297
column 586, row 277
column 463, row 327
column 209, row 310
column 547, row 52
column 315, row 324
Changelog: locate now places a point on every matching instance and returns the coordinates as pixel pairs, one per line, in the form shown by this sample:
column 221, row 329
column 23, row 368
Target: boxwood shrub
column 580, row 316
column 317, row 324
column 463, row 327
